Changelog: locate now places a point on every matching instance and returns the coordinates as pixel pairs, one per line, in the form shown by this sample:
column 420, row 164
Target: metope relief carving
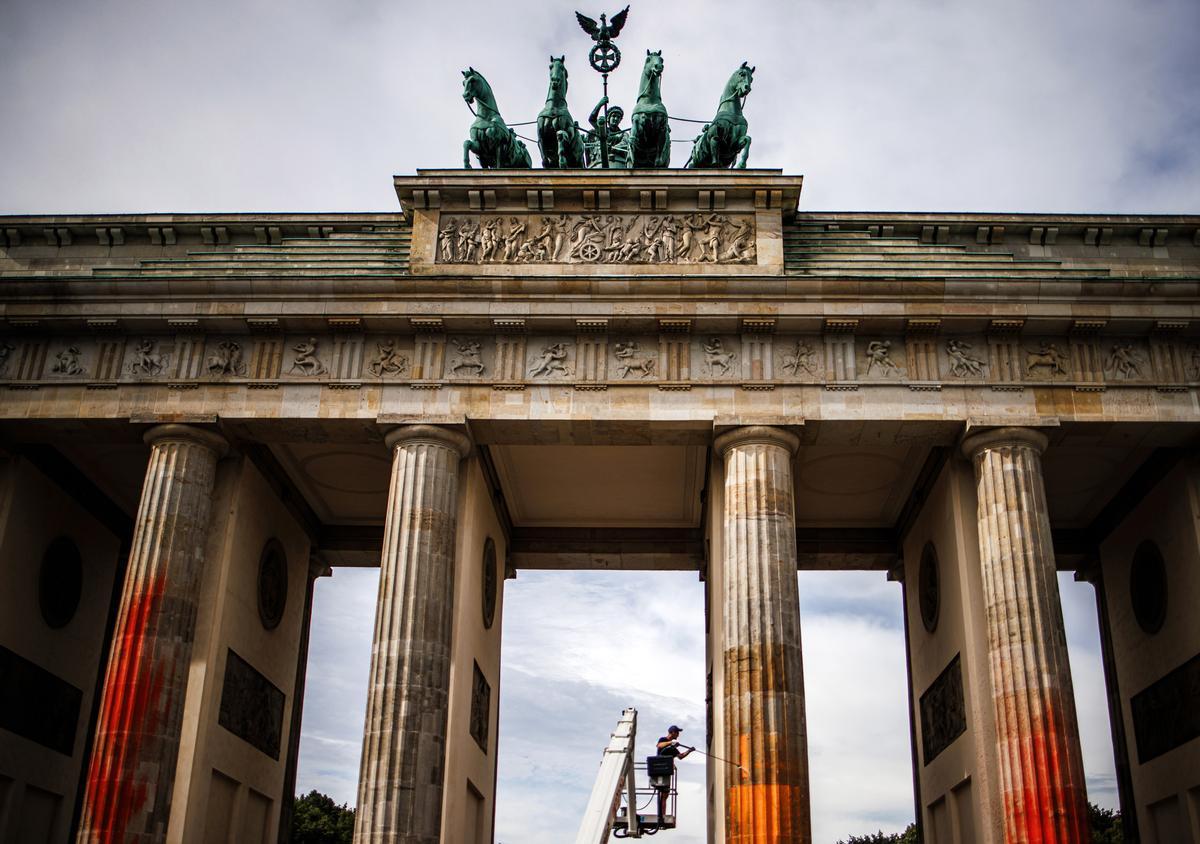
column 717, row 359
column 630, row 360
column 879, row 358
column 387, row 360
column 1048, row 360
column 552, row 361
column 1124, row 360
column 469, row 359
column 226, row 359
column 67, row 362
column 669, row 360
column 305, row 361
column 801, row 357
column 147, row 361
column 597, row 239
column 963, row 364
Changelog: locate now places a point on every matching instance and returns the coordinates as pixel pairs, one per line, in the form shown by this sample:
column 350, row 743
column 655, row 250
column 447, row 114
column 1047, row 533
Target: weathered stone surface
column 403, row 758
column 765, row 728
column 1041, row 768
column 132, row 768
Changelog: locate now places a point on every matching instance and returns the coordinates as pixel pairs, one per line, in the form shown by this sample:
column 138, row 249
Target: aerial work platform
column 614, row 803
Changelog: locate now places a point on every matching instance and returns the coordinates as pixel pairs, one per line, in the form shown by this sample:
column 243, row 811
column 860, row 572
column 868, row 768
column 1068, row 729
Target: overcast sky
column 310, row 105
column 1072, row 105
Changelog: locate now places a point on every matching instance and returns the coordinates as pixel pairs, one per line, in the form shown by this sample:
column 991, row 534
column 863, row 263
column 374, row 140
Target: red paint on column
column 130, row 715
column 1049, row 808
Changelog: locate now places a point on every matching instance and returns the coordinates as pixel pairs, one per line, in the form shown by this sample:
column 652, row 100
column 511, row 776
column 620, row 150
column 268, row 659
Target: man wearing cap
column 607, row 132
column 668, row 745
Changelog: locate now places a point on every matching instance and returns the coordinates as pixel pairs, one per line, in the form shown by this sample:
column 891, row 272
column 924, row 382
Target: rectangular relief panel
column 36, row 704
column 1166, row 714
column 481, row 708
column 597, row 239
column 251, row 706
column 943, row 711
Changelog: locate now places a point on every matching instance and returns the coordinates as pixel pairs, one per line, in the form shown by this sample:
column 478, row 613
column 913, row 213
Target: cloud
column 124, row 105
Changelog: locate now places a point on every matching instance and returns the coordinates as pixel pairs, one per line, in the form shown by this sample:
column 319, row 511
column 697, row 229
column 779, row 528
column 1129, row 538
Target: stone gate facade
column 202, row 414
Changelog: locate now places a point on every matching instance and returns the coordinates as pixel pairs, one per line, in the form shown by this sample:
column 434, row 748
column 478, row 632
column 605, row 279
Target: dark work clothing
column 670, row 749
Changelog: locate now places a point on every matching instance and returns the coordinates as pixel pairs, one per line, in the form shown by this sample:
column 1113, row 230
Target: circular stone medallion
column 929, row 588
column 272, row 584
column 489, row 583
column 60, row 582
column 1148, row 587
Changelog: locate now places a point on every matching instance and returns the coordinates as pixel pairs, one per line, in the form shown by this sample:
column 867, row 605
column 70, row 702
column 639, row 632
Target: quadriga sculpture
column 650, row 137
column 721, row 141
column 559, row 138
column 490, row 139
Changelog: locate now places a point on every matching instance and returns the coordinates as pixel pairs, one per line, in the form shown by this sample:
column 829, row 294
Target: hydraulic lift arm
column 616, row 773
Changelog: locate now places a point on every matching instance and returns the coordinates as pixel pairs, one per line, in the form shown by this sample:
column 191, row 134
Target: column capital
column 975, row 444
column 756, row 435
column 189, row 434
column 434, row 434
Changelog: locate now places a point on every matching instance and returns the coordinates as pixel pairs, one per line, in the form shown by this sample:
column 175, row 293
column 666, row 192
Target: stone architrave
column 132, row 769
column 1041, row 767
column 403, row 758
column 765, row 725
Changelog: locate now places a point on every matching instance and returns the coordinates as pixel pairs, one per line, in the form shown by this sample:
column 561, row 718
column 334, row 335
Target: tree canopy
column 316, row 819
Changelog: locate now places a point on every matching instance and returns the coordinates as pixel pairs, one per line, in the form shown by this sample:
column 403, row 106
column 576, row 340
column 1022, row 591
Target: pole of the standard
column 765, row 729
column 1041, row 767
column 404, row 742
column 132, row 769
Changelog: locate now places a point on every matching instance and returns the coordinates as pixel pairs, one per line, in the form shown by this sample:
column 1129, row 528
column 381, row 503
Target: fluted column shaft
column 765, row 729
column 403, row 758
column 132, row 769
column 1041, row 768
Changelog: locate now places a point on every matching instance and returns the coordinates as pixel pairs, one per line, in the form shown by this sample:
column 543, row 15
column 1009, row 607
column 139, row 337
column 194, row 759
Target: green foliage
column 316, row 819
column 909, row 836
column 1105, row 824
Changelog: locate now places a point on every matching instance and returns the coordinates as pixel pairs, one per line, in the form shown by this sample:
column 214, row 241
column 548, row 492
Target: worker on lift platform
column 668, row 748
column 668, row 745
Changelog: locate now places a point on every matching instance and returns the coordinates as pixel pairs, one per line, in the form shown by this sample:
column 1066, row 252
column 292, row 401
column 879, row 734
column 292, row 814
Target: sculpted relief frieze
column 595, row 361
column 697, row 238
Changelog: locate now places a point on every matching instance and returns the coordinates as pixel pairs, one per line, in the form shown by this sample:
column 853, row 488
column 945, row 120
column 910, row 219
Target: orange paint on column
column 129, row 715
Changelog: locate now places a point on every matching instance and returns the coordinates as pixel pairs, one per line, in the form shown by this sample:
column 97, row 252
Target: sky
column 310, row 105
column 921, row 105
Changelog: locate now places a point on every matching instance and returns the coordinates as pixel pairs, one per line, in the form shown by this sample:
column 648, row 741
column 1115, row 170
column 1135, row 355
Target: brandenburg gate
column 203, row 413
column 627, row 367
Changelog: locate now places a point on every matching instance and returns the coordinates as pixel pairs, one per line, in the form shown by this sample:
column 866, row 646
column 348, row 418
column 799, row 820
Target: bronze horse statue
column 559, row 138
column 650, row 137
column 496, row 145
column 721, row 141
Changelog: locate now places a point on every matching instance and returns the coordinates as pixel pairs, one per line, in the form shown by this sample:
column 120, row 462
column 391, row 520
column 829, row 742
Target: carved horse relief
column 559, row 138
column 650, row 137
column 494, row 144
column 721, row 141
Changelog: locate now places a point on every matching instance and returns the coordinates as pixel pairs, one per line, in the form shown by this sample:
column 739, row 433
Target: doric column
column 1041, row 769
column 403, row 757
column 132, row 769
column 765, row 728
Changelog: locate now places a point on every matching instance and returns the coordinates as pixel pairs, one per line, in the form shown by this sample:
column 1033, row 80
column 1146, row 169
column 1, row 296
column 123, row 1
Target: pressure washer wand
column 718, row 758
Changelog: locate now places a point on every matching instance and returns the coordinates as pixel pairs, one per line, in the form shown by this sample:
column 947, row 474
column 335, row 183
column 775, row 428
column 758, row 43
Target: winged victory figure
column 606, row 30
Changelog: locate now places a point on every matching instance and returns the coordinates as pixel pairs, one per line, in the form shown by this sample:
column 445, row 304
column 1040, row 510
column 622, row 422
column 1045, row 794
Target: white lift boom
column 616, row 773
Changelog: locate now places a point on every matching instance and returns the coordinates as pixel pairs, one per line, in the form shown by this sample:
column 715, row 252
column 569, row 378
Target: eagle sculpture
column 603, row 31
